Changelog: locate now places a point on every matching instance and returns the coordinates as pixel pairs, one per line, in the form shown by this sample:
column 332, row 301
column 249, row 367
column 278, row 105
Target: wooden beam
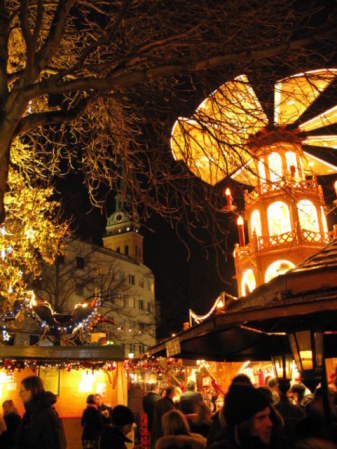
column 63, row 353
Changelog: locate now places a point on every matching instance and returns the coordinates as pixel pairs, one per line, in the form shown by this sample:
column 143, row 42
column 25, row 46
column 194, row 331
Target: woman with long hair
column 12, row 419
column 41, row 425
column 177, row 433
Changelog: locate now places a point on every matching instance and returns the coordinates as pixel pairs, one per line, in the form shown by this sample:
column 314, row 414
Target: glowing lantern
column 241, row 230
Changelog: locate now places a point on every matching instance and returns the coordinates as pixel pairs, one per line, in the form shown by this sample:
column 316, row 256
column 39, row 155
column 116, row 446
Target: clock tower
column 122, row 232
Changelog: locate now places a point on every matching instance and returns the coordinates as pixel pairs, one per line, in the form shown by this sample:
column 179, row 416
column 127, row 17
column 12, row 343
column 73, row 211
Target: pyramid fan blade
column 235, row 107
column 327, row 118
column 318, row 166
column 295, row 94
column 207, row 151
column 321, row 141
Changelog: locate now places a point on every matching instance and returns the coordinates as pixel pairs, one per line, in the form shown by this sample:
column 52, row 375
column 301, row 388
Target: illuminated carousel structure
column 231, row 136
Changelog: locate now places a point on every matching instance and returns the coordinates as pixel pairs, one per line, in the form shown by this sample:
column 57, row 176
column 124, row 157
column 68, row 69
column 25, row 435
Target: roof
column 256, row 326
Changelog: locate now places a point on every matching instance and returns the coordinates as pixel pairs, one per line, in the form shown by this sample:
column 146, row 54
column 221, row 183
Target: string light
column 219, row 303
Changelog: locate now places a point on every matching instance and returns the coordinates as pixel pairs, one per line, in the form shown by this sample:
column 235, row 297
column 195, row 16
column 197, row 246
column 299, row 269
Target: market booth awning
column 255, row 327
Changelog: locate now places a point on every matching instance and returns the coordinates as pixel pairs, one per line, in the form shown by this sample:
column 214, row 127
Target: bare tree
column 96, row 85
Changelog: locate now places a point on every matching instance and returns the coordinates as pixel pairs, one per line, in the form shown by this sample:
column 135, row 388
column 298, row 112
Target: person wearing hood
column 249, row 421
column 115, row 436
column 41, row 425
column 177, row 433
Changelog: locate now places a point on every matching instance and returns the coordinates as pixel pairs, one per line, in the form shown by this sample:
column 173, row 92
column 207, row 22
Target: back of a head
column 91, row 399
column 204, row 414
column 266, row 391
column 190, row 385
column 174, row 422
column 122, row 415
column 153, row 387
column 298, row 388
column 241, row 379
column 33, row 384
column 272, row 383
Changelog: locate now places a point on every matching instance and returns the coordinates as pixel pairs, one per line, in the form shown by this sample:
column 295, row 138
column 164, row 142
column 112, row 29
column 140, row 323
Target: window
column 277, row 268
column 141, row 348
column 262, row 171
column 140, row 304
column 132, row 348
column 248, row 282
column 132, row 279
column 291, row 162
column 80, row 262
column 275, row 167
column 118, row 249
column 307, row 215
column 122, row 276
column 255, row 223
column 141, row 282
column 131, row 302
column 79, row 289
column 278, row 218
column 126, row 248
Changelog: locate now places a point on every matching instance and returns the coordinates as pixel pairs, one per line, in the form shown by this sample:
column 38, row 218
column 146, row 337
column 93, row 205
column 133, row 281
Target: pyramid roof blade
column 208, row 152
column 234, row 105
column 327, row 118
column 246, row 174
column 293, row 95
column 318, row 166
column 321, row 141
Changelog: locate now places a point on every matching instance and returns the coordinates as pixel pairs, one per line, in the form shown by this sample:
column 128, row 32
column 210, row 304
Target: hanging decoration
column 219, row 305
column 12, row 364
column 83, row 315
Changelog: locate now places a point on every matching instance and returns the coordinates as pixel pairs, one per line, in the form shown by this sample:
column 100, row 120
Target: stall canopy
column 256, row 326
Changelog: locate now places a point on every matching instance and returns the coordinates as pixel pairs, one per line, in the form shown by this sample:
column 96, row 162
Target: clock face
column 119, row 217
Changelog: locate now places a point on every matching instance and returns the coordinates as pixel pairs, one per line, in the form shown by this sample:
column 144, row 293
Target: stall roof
column 254, row 327
column 63, row 353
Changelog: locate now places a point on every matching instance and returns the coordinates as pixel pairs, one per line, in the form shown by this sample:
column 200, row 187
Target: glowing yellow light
column 240, row 221
column 295, row 94
column 277, row 268
column 248, row 282
column 278, row 218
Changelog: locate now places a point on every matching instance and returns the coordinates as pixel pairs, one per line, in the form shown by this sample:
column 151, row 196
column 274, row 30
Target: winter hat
column 243, row 402
column 122, row 415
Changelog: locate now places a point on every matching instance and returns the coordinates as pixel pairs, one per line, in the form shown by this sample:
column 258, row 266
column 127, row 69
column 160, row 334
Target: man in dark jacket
column 249, row 421
column 190, row 400
column 114, row 436
column 162, row 406
column 41, row 426
column 149, row 401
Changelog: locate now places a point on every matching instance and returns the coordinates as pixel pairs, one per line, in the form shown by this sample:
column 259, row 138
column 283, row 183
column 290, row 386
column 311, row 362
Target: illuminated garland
column 31, row 305
column 12, row 365
column 219, row 304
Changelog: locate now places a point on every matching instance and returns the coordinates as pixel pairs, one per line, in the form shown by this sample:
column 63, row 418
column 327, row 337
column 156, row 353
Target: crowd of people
column 272, row 416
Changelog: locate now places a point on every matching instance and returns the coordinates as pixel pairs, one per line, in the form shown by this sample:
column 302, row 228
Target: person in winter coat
column 41, row 426
column 162, row 406
column 177, row 433
column 92, row 424
column 12, row 419
column 249, row 422
column 115, row 436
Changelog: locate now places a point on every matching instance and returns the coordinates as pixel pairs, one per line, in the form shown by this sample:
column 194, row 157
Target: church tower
column 122, row 232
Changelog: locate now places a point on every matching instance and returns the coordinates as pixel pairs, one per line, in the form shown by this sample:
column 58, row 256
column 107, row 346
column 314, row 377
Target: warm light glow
column 240, row 221
column 255, row 223
column 248, row 282
column 327, row 118
column 278, row 218
column 307, row 215
column 229, row 128
column 307, row 359
column 275, row 167
column 335, row 187
column 292, row 163
column 321, row 141
column 295, row 94
column 277, row 268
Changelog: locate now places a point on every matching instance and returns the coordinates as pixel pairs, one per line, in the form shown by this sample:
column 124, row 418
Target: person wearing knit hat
column 248, row 418
column 114, row 435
